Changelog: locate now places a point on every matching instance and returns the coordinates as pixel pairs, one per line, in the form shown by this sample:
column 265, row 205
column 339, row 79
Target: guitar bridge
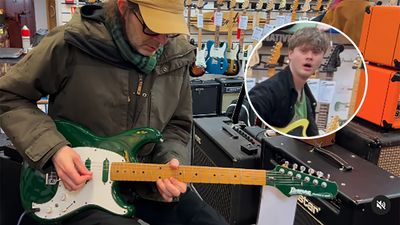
column 52, row 178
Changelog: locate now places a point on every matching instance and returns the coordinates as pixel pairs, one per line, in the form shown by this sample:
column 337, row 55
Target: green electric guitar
column 113, row 159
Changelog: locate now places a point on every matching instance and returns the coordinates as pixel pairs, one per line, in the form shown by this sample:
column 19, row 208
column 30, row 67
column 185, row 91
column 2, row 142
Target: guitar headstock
column 245, row 4
column 200, row 4
column 392, row 3
column 357, row 63
column 306, row 6
column 282, row 5
column 294, row 6
column 293, row 182
column 328, row 4
column 276, row 53
column 318, row 5
column 259, row 5
column 334, row 59
column 270, row 5
column 232, row 4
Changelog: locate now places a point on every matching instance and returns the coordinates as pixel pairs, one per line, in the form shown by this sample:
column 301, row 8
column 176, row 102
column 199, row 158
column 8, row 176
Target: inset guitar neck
column 194, row 174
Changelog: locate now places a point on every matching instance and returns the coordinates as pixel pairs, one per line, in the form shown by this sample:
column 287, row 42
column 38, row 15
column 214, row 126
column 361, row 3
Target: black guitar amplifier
column 230, row 88
column 358, row 180
column 373, row 143
column 206, row 97
column 10, row 167
column 216, row 143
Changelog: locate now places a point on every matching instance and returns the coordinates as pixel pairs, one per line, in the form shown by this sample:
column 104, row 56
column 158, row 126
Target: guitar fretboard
column 194, row 174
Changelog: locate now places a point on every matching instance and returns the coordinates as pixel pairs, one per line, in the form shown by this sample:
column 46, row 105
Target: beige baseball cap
column 163, row 16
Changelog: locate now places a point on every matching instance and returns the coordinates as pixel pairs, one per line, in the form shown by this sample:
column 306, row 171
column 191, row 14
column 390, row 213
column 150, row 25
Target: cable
column 22, row 216
column 25, row 212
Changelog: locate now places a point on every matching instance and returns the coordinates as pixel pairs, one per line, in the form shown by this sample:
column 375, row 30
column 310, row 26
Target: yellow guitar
column 233, row 49
column 298, row 124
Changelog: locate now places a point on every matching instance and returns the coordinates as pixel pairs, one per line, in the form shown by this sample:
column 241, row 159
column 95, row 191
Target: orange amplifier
column 382, row 102
column 380, row 35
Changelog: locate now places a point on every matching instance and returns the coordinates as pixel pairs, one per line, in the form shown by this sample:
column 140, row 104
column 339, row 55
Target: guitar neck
column 230, row 26
column 194, row 174
column 199, row 34
column 354, row 93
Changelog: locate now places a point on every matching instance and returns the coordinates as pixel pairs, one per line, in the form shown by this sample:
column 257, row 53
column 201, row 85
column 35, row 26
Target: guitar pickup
column 51, row 178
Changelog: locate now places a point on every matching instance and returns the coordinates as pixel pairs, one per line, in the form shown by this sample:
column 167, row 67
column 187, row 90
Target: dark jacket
column 274, row 100
column 89, row 83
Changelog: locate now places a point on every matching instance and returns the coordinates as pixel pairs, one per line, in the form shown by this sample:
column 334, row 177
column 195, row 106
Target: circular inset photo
column 306, row 79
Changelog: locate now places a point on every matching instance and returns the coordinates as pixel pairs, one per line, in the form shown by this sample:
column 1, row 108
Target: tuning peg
column 320, row 174
column 324, row 184
column 302, row 169
column 315, row 182
column 295, row 166
column 328, row 176
column 286, row 164
column 311, row 171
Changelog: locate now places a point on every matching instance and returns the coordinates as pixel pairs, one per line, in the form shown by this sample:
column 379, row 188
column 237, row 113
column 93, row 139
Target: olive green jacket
column 89, row 83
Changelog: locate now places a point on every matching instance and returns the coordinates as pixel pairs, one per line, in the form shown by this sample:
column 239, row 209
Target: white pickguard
column 95, row 192
column 218, row 52
column 232, row 54
column 201, row 57
column 244, row 56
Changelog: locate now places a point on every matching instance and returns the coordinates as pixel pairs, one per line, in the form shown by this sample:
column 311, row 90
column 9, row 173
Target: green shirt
column 300, row 108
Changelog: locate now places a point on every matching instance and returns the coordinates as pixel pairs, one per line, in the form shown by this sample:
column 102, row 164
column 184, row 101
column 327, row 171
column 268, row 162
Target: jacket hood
column 86, row 31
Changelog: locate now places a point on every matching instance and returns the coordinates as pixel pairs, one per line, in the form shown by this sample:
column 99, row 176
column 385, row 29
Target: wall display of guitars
column 223, row 48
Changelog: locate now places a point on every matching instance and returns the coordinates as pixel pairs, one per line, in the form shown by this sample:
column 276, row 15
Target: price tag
column 200, row 20
column 303, row 18
column 267, row 28
column 257, row 33
column 288, row 18
column 243, row 22
column 279, row 20
column 218, row 17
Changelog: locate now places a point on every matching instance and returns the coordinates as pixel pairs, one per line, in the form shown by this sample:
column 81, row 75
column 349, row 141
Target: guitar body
column 233, row 62
column 244, row 56
column 56, row 203
column 216, row 61
column 199, row 66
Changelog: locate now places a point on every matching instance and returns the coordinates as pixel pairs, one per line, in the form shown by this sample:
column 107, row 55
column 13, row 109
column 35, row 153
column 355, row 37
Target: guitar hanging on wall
column 245, row 51
column 113, row 159
column 293, row 8
column 199, row 66
column 232, row 53
column 328, row 69
column 273, row 59
column 216, row 61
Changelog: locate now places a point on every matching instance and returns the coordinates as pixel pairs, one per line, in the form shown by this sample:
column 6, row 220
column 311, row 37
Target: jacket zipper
column 140, row 85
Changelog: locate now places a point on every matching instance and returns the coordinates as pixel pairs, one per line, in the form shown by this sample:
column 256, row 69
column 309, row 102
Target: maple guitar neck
column 194, row 174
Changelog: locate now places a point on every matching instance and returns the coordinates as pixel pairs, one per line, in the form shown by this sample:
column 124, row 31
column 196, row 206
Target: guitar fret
column 194, row 174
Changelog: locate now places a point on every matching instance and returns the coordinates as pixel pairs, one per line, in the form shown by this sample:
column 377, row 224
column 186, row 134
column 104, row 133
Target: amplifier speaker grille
column 389, row 160
column 216, row 195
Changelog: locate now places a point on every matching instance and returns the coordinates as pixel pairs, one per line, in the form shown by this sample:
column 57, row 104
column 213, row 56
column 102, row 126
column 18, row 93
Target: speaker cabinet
column 213, row 145
column 372, row 143
column 357, row 186
column 230, row 89
column 206, row 98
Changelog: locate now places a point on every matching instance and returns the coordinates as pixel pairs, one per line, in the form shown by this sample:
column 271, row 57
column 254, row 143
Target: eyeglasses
column 146, row 29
